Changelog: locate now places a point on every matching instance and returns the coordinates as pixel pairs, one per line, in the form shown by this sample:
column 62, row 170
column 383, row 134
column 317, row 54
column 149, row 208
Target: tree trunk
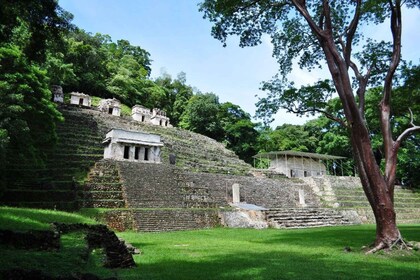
column 379, row 188
column 379, row 194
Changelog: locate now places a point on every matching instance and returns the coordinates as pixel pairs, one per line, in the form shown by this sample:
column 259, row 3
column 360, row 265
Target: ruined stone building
column 159, row 118
column 110, row 106
column 78, row 98
column 127, row 145
column 58, row 95
column 141, row 114
column 155, row 117
column 298, row 164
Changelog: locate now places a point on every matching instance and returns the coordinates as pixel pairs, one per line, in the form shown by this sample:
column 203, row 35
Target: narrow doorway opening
column 146, row 153
column 126, row 152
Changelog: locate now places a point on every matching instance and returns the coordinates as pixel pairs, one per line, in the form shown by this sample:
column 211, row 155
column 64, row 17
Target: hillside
column 80, row 146
column 191, row 194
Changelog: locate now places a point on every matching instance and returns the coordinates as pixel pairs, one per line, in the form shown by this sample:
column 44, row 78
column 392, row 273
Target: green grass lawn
column 269, row 254
column 219, row 253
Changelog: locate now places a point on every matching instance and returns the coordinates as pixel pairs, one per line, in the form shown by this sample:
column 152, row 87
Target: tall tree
column 328, row 31
column 177, row 94
column 239, row 133
column 200, row 116
column 33, row 25
column 27, row 115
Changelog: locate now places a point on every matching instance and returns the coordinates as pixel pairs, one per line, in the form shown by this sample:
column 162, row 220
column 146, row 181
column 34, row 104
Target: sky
column 179, row 40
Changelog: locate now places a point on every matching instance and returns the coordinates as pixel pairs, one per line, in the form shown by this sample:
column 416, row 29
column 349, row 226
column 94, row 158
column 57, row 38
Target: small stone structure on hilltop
column 58, row 95
column 122, row 144
column 141, row 114
column 78, row 98
column 298, row 164
column 206, row 186
column 110, row 106
column 155, row 117
column 159, row 118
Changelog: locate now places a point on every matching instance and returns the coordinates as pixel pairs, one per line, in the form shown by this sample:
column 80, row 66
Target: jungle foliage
column 40, row 47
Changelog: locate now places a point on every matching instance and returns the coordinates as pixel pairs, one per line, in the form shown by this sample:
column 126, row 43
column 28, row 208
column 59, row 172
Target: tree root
column 377, row 248
column 398, row 244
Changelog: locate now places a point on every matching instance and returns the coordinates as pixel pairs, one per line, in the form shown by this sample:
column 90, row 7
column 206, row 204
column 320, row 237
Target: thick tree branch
column 301, row 7
column 351, row 31
column 327, row 12
column 396, row 51
column 390, row 147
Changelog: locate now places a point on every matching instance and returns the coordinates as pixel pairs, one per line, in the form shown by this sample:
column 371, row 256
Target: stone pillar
column 58, row 95
column 302, row 198
column 236, row 198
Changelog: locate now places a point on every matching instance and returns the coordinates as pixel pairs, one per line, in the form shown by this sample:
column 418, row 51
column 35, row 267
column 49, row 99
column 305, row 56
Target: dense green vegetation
column 39, row 47
column 217, row 253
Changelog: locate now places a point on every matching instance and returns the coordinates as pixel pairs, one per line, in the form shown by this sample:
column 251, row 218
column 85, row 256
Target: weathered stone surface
column 119, row 220
column 175, row 219
column 305, row 217
column 244, row 219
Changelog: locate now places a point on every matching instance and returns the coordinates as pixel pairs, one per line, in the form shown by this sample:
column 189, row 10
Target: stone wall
column 149, row 185
column 264, row 192
column 156, row 186
column 346, row 194
column 175, row 219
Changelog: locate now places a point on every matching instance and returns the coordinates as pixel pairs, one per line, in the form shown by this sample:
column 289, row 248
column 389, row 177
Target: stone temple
column 298, row 164
column 130, row 170
column 127, row 145
column 110, row 106
column 77, row 98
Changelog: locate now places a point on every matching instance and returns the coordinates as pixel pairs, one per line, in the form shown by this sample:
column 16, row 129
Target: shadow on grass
column 340, row 237
column 281, row 254
column 270, row 265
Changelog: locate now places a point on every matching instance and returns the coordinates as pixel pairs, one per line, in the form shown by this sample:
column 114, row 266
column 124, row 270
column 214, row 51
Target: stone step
column 101, row 171
column 397, row 199
column 104, row 203
column 303, row 217
column 199, row 204
column 154, row 203
column 308, row 225
column 103, row 195
column 91, row 186
column 174, row 219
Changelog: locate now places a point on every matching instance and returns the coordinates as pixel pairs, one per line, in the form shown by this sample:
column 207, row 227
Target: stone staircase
column 194, row 152
column 174, row 219
column 56, row 184
column 304, row 217
column 346, row 193
column 150, row 185
column 103, row 188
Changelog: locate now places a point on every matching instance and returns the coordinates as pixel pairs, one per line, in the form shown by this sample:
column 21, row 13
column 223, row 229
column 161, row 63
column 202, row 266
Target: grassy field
column 219, row 253
column 269, row 254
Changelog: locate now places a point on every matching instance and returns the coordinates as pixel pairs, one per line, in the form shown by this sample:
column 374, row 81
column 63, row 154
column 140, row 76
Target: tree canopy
column 328, row 33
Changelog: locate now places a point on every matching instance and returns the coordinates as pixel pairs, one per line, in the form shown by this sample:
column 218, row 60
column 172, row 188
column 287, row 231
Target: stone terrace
column 194, row 152
column 346, row 193
column 55, row 186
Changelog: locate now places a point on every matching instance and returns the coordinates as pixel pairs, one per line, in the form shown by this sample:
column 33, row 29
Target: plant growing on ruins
column 311, row 33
